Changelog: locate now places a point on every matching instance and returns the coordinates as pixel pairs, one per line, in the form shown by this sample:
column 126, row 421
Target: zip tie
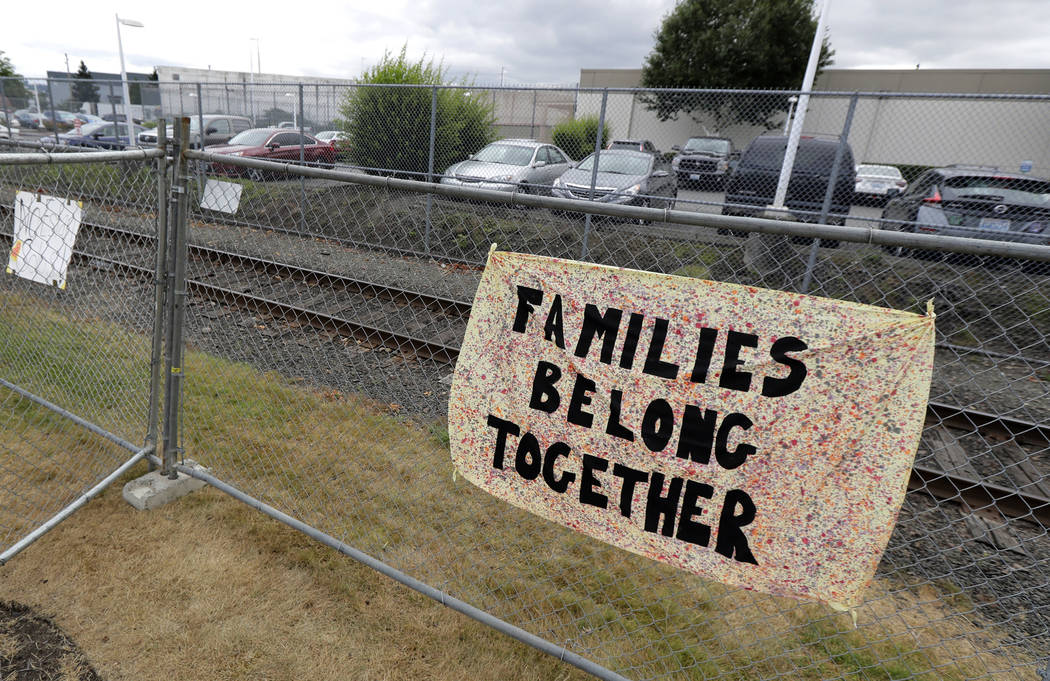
column 871, row 230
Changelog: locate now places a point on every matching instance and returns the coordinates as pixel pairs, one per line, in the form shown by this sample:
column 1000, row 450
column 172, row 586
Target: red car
column 271, row 144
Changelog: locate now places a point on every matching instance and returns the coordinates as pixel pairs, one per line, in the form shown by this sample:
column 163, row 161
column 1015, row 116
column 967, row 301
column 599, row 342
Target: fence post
column 202, row 133
column 302, row 161
column 176, row 297
column 829, row 193
column 532, row 124
column 159, row 288
column 430, row 165
column 51, row 108
column 594, row 171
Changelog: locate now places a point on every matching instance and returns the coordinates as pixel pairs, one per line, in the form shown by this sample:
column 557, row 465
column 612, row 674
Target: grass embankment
column 208, row 588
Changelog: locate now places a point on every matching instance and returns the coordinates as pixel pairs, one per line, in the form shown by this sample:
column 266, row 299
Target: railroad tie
column 987, row 524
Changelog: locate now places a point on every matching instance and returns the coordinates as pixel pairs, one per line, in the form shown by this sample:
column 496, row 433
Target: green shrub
column 576, row 136
column 389, row 127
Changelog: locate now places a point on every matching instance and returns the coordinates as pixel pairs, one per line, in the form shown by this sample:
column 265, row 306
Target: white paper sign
column 221, row 196
column 45, row 229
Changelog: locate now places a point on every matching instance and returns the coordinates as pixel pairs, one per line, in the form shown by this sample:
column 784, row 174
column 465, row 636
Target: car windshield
column 507, row 154
column 618, row 164
column 710, row 146
column 769, row 155
column 879, row 171
column 1000, row 189
column 250, row 138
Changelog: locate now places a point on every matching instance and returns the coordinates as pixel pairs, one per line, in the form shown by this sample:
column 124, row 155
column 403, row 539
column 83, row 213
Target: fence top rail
column 44, row 157
column 576, row 88
column 868, row 235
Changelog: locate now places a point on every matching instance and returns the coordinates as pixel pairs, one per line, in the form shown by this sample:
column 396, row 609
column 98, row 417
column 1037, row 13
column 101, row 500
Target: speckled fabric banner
column 760, row 438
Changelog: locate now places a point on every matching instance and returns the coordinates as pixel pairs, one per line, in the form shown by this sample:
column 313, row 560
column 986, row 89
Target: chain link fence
column 76, row 346
column 327, row 295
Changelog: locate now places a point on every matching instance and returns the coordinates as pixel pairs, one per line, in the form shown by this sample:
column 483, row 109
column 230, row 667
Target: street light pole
column 799, row 118
column 124, row 74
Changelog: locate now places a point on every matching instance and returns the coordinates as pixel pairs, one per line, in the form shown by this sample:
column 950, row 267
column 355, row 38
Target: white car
column 511, row 165
column 9, row 129
column 878, row 184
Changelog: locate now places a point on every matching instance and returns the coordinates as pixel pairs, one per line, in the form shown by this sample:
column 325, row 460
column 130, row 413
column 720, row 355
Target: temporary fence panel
column 76, row 327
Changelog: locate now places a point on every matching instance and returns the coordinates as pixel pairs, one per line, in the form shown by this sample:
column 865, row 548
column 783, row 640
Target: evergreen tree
column 731, row 44
column 84, row 87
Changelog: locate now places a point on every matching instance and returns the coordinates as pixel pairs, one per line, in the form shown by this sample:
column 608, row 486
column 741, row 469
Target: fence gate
column 78, row 331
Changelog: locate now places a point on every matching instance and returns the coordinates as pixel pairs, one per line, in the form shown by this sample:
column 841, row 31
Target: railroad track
column 953, row 479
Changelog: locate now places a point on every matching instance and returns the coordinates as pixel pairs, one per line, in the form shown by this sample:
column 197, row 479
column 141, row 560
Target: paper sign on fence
column 45, row 229
column 757, row 437
column 221, row 196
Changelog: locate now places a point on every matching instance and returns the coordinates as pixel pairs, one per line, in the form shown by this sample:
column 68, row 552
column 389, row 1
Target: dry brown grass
column 208, row 589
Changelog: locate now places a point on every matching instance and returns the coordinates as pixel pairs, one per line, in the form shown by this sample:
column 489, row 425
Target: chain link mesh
column 84, row 344
column 324, row 317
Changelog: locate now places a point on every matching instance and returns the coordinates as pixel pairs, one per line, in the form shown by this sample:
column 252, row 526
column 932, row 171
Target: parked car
column 705, row 161
column 878, row 184
column 752, row 186
column 118, row 117
column 339, row 141
column 85, row 130
column 510, row 164
column 29, row 119
column 9, row 127
column 636, row 145
column 271, row 144
column 61, row 117
column 88, row 118
column 973, row 202
column 218, row 129
column 100, row 136
column 625, row 177
column 294, row 126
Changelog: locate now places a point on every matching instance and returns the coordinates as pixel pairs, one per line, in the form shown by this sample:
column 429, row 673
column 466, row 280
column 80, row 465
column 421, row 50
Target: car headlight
column 558, row 182
column 723, row 165
column 236, row 153
column 633, row 190
column 675, row 162
column 503, row 178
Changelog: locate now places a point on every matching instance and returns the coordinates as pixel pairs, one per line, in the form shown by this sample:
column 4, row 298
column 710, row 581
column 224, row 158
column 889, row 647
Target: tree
column 84, row 87
column 731, row 44
column 14, row 86
column 389, row 127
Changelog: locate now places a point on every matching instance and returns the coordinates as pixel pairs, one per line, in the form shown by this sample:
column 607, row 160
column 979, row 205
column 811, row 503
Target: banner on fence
column 45, row 229
column 757, row 437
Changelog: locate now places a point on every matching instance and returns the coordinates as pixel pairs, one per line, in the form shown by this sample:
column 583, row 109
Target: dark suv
column 705, row 160
column 753, row 184
column 973, row 201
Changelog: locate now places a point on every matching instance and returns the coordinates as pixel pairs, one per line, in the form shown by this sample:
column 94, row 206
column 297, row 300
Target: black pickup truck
column 704, row 161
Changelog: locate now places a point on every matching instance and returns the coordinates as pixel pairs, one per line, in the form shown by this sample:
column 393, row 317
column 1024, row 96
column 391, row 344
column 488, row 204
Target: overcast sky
column 537, row 41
